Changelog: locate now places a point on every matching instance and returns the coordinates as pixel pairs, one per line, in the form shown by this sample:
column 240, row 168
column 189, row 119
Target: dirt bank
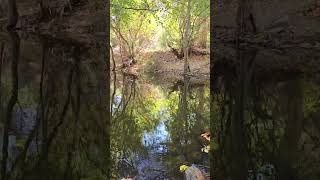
column 163, row 67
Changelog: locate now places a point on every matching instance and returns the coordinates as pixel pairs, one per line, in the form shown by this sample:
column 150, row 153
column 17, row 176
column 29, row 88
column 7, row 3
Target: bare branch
column 134, row 8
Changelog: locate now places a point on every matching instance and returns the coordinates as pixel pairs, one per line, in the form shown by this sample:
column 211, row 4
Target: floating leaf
column 206, row 149
column 183, row 168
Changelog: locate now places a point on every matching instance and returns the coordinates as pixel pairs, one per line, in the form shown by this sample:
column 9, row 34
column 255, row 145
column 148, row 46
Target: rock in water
column 194, row 173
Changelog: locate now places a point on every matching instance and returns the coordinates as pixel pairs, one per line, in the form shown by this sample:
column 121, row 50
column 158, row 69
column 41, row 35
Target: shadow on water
column 264, row 119
column 156, row 127
column 264, row 116
column 53, row 109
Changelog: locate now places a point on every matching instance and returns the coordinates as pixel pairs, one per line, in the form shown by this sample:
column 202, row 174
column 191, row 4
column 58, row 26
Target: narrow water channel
column 156, row 128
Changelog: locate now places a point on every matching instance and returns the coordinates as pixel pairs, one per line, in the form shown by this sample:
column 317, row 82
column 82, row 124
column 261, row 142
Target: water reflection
column 52, row 110
column 54, row 117
column 156, row 127
column 264, row 119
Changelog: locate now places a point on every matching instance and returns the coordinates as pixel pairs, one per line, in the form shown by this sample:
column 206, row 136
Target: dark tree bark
column 235, row 140
column 292, row 107
column 43, row 118
column 45, row 9
column 245, row 18
column 69, row 171
column 239, row 153
column 184, row 113
column 14, row 55
column 12, row 14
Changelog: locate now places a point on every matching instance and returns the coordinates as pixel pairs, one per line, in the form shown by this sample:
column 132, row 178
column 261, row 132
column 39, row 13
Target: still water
column 156, row 127
column 53, row 121
column 263, row 114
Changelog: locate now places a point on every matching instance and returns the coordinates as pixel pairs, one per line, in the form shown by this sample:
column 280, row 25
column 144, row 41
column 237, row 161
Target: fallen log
column 176, row 52
column 192, row 51
column 199, row 51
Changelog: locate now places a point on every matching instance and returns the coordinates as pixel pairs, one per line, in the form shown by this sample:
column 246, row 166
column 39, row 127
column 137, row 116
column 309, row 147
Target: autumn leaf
column 206, row 135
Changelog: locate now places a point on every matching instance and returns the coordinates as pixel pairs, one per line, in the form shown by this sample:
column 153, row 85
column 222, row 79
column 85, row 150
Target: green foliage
column 184, row 134
column 137, row 24
column 312, row 103
column 30, row 97
column 130, row 27
column 148, row 106
column 136, row 112
column 174, row 21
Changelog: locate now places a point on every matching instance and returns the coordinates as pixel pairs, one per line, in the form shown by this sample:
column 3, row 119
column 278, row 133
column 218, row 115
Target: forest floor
column 166, row 68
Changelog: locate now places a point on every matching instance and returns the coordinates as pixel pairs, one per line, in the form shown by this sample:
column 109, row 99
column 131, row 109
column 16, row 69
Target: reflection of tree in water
column 139, row 107
column 67, row 121
column 189, row 117
column 14, row 57
column 259, row 123
column 134, row 112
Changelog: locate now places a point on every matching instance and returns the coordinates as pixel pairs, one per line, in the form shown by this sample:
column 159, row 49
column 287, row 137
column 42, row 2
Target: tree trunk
column 203, row 34
column 186, row 39
column 45, row 9
column 43, row 103
column 184, row 114
column 237, row 138
column 12, row 14
column 113, row 60
column 14, row 48
column 245, row 18
column 292, row 107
